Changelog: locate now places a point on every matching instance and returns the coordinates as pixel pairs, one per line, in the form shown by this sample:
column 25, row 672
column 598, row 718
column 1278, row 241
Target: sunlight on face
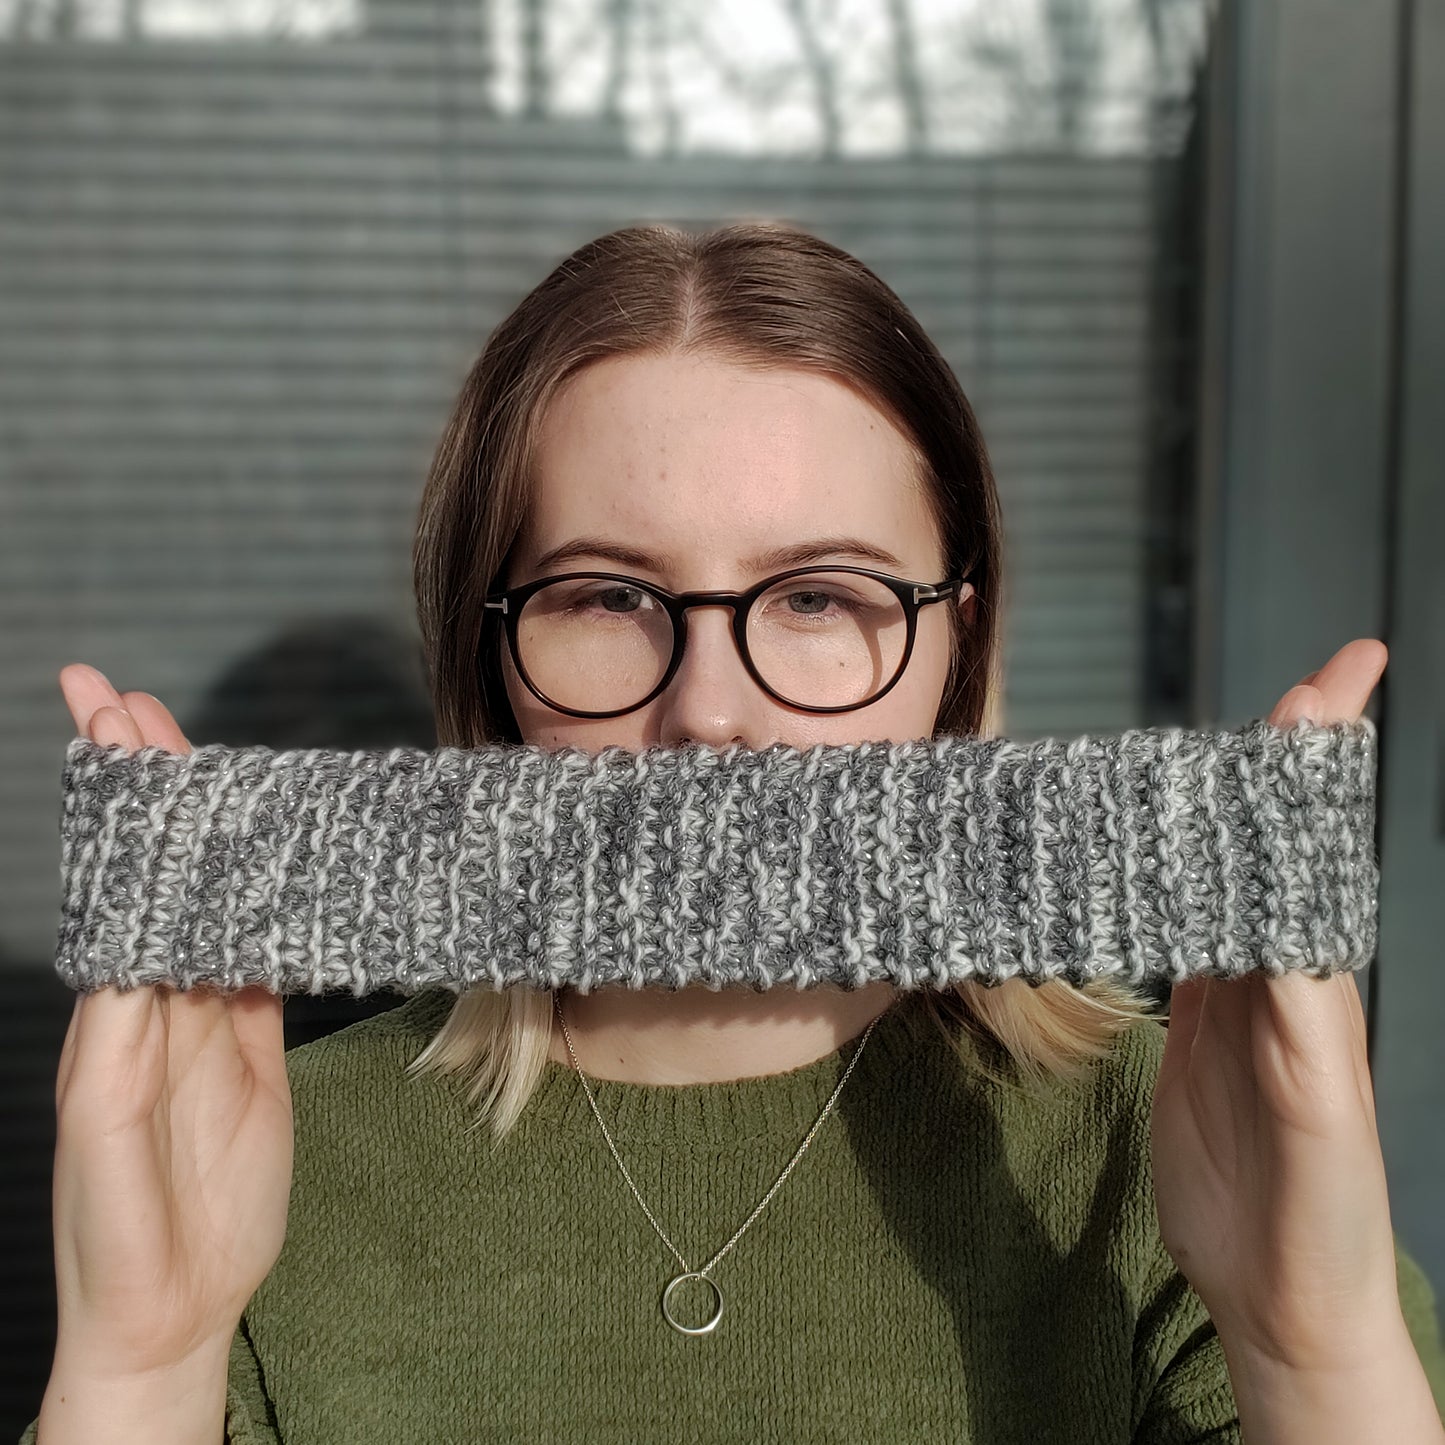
column 704, row 464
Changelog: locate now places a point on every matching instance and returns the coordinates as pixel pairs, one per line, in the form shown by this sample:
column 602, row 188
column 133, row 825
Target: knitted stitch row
column 1157, row 851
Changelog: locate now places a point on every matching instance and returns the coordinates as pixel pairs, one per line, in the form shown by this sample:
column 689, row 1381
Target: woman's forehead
column 653, row 411
column 693, row 448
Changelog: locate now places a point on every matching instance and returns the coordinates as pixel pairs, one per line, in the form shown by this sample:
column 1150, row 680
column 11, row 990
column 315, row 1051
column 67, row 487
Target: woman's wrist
column 1383, row 1395
column 182, row 1403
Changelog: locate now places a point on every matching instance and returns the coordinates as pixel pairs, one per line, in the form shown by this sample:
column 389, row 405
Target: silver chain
column 688, row 1271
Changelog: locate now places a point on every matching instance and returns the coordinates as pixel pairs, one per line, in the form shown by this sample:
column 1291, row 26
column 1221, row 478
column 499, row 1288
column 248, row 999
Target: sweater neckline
column 736, row 1112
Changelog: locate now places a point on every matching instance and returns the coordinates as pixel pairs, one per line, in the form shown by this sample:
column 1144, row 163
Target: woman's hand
column 1268, row 1173
column 173, row 1138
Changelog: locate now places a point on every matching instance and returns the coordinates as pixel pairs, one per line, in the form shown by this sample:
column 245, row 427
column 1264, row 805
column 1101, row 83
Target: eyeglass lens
column 820, row 639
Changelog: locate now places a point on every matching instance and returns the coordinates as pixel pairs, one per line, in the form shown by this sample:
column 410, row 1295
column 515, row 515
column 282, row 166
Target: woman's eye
column 810, row 601
column 815, row 603
column 621, row 599
column 606, row 599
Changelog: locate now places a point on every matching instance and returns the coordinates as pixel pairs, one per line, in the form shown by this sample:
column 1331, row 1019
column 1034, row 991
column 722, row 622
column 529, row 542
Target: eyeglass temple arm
column 942, row 590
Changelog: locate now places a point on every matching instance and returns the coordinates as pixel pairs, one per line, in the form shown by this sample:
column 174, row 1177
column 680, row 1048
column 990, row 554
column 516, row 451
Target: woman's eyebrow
column 791, row 554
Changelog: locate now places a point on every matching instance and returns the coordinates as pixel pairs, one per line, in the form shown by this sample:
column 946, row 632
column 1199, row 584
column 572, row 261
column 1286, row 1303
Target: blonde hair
column 761, row 294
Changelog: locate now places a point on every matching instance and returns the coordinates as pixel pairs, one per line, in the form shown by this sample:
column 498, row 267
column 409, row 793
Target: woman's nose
column 712, row 698
column 710, row 650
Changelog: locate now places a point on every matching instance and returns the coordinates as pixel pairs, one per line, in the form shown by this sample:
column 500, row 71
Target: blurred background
column 1175, row 251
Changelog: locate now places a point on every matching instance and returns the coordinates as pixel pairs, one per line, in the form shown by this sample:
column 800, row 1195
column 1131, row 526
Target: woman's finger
column 1302, row 700
column 1346, row 681
column 155, row 722
column 86, row 691
column 110, row 1025
column 109, row 725
column 67, row 1049
column 1186, row 999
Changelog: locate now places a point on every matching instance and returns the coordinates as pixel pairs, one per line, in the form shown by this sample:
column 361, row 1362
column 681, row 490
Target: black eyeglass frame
column 912, row 596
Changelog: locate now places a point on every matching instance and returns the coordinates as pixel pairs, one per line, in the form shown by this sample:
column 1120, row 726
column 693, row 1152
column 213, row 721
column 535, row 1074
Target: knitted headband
column 1159, row 851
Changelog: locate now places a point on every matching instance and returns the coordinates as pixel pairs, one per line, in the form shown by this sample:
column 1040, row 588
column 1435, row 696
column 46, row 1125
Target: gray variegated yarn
column 1161, row 851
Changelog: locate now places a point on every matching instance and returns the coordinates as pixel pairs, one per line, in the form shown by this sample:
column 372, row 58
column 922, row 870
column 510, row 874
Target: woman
column 518, row 1215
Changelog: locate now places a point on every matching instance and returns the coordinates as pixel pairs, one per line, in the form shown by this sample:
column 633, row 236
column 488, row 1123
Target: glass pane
column 250, row 250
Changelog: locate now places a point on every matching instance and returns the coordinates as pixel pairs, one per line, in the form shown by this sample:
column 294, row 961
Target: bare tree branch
column 534, row 58
column 1072, row 31
column 619, row 54
column 758, row 83
column 658, row 39
column 820, row 70
column 906, row 74
column 22, row 18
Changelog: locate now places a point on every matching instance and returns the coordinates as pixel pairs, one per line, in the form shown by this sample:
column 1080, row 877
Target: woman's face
column 703, row 463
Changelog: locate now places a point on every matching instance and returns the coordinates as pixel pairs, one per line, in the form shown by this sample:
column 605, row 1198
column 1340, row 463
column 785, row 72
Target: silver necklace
column 687, row 1272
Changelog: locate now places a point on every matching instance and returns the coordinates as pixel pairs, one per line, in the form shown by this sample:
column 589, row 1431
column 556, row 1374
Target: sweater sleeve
column 250, row 1415
column 1192, row 1400
column 1188, row 1397
column 1417, row 1304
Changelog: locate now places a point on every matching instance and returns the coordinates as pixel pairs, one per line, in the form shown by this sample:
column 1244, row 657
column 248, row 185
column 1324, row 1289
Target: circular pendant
column 692, row 1329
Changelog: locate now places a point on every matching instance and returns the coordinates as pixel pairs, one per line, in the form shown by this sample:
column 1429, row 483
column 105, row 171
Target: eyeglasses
column 600, row 644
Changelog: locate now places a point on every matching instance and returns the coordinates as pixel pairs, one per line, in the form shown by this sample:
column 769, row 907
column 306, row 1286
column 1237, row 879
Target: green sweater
column 948, row 1261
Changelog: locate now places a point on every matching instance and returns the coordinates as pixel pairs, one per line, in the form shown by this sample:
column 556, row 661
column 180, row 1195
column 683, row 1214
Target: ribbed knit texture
column 949, row 1261
column 1156, row 851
